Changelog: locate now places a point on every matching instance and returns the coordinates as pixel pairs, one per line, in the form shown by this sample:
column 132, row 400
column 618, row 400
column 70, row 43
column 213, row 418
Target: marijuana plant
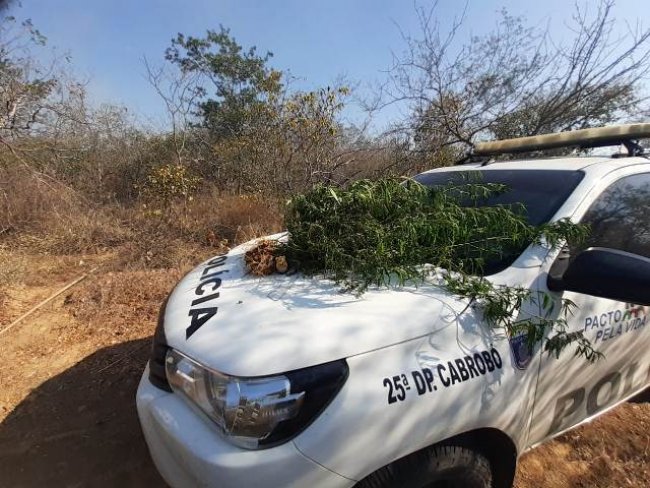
column 391, row 231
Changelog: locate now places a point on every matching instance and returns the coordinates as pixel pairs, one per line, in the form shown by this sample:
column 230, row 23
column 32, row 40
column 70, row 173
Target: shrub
column 170, row 181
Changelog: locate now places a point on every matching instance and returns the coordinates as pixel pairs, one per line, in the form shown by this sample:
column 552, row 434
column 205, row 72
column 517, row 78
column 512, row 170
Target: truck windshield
column 540, row 192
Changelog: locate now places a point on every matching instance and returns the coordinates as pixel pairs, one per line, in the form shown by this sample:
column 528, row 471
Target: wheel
column 443, row 466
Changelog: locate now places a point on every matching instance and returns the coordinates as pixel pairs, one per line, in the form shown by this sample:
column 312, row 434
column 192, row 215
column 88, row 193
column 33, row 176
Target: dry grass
column 77, row 232
column 214, row 218
column 186, row 232
column 11, row 273
column 611, row 452
column 12, row 268
column 141, row 250
column 39, row 216
column 118, row 305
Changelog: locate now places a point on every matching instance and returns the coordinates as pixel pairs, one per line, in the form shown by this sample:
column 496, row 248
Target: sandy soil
column 70, row 371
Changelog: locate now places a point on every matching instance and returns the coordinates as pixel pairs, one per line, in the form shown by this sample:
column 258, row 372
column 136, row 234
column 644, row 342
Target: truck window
column 620, row 217
column 540, row 192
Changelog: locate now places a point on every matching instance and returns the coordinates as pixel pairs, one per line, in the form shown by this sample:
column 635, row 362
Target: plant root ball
column 262, row 261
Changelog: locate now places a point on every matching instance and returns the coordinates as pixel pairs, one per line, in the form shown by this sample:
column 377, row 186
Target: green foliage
column 241, row 79
column 501, row 306
column 373, row 230
column 391, row 231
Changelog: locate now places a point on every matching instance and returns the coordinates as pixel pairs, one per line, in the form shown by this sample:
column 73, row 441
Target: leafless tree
column 516, row 80
column 178, row 91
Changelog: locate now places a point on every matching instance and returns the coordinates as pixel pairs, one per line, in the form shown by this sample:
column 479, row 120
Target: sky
column 317, row 41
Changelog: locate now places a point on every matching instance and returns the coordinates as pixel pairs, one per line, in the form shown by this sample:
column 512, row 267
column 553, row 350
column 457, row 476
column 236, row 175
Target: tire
column 443, row 466
column 643, row 397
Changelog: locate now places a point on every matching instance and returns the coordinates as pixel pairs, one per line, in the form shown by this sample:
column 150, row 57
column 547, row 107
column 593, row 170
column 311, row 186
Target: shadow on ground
column 80, row 428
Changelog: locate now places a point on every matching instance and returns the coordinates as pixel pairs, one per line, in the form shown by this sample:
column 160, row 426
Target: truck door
column 570, row 389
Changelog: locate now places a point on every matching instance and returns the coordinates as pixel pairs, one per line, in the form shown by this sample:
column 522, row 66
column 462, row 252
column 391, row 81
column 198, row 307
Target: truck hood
column 242, row 325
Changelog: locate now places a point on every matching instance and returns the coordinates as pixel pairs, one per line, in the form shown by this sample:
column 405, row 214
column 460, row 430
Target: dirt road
column 69, row 375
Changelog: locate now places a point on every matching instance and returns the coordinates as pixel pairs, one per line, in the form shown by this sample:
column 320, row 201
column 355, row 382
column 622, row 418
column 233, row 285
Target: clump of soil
column 262, row 260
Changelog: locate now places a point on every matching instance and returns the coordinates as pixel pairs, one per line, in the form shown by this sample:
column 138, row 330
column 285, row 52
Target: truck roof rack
column 628, row 135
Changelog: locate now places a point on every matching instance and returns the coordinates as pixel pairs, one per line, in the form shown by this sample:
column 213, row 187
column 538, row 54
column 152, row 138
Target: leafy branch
column 501, row 305
column 391, row 232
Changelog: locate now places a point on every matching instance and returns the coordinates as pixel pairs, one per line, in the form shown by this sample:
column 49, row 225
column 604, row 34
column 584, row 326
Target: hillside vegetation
column 81, row 177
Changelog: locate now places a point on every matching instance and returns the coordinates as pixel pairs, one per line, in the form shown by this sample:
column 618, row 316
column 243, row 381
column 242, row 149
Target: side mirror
column 607, row 273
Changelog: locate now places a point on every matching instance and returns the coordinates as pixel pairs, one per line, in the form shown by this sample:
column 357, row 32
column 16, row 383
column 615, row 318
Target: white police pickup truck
column 285, row 381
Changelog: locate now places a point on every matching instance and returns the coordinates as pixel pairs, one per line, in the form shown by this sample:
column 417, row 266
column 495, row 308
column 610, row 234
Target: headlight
column 255, row 413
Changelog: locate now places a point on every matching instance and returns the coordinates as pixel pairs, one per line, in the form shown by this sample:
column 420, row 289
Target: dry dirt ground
column 69, row 373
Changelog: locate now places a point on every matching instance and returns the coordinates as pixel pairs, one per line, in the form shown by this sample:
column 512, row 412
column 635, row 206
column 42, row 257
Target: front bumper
column 189, row 452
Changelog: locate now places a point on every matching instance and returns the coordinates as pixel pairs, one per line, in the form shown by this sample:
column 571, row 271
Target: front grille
column 159, row 348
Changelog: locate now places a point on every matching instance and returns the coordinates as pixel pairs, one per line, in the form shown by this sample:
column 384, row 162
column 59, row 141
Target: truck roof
column 593, row 165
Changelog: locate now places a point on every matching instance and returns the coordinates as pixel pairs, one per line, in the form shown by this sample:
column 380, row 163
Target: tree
column 24, row 87
column 515, row 81
column 179, row 92
column 240, row 79
column 289, row 143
